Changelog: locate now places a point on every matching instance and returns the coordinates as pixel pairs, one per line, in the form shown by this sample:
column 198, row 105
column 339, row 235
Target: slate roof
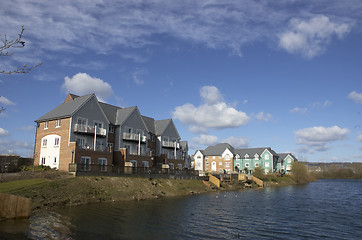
column 150, row 123
column 161, row 126
column 123, row 114
column 65, row 109
column 110, row 111
column 282, row 156
column 252, row 151
column 217, row 150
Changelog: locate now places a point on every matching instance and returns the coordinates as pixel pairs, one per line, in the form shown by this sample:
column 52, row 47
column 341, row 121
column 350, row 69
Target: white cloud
column 299, row 110
column 317, row 137
column 355, row 96
column 205, row 140
column 21, row 148
column 3, row 132
column 324, row 104
column 213, row 113
column 359, row 138
column 311, row 37
column 261, row 116
column 237, row 142
column 137, row 76
column 29, row 128
column 83, row 84
column 6, row 101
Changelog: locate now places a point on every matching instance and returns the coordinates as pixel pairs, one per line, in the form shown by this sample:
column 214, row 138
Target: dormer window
column 57, row 123
column 256, row 156
column 246, row 156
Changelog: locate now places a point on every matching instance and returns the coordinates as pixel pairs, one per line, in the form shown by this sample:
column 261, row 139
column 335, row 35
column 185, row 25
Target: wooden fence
column 12, row 206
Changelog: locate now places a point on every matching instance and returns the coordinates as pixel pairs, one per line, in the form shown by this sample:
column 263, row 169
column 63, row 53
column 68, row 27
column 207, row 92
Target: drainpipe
column 95, row 137
column 139, row 144
column 175, row 148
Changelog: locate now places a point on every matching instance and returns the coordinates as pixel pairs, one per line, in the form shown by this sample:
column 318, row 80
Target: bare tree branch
column 15, row 43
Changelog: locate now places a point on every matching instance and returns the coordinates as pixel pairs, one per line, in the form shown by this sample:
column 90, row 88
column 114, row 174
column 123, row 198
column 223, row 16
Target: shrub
column 300, row 173
column 259, row 172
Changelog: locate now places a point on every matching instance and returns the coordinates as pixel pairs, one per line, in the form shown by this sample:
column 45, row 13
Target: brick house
column 84, row 131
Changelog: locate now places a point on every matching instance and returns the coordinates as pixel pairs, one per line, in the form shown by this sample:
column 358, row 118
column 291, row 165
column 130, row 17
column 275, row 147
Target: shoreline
column 59, row 190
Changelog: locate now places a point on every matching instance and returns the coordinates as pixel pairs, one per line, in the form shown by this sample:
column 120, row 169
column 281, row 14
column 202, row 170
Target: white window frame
column 56, row 141
column 266, row 156
column 172, row 166
column 247, row 165
column 46, row 124
column 102, row 163
column 267, row 164
column 111, row 129
column 57, row 123
column 256, row 165
column 44, row 143
column 85, row 164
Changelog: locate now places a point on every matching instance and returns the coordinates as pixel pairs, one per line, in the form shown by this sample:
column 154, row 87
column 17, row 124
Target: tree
column 259, row 172
column 300, row 173
column 5, row 50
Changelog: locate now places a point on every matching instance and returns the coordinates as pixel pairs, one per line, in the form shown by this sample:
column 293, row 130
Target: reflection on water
column 327, row 209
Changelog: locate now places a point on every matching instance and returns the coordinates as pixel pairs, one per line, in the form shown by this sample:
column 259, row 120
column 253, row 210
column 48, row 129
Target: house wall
column 265, row 161
column 218, row 161
column 135, row 122
column 287, row 164
column 92, row 112
column 65, row 148
column 199, row 161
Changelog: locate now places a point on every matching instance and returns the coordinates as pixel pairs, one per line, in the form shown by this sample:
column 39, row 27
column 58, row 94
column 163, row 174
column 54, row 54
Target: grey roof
column 123, row 114
column 282, row 156
column 252, row 151
column 66, row 109
column 110, row 111
column 150, row 123
column 161, row 126
column 217, row 150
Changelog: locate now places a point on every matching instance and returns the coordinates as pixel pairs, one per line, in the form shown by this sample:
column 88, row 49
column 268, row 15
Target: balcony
column 86, row 129
column 134, row 137
column 168, row 144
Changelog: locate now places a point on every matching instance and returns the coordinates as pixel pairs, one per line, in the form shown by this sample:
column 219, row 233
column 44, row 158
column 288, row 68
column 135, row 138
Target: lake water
column 326, row 209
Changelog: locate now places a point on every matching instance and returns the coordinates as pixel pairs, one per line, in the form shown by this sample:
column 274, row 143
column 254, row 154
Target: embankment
column 81, row 190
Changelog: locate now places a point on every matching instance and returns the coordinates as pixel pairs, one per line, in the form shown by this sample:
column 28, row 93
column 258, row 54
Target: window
column 213, row 157
column 45, row 142
column 57, row 123
column 85, row 163
column 102, row 162
column 267, row 164
column 289, row 161
column 55, row 159
column 227, row 165
column 110, row 146
column 81, row 143
column 256, row 156
column 266, row 156
column 247, row 164
column 46, row 125
column 227, row 156
column 145, row 164
column 56, row 141
column 111, row 129
column 128, row 147
column 43, row 161
column 256, row 164
column 179, row 166
column 246, row 156
column 171, row 166
column 220, row 163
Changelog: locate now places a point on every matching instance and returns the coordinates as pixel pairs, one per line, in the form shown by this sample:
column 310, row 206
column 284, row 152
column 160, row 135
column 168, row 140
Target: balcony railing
column 170, row 144
column 134, row 137
column 81, row 128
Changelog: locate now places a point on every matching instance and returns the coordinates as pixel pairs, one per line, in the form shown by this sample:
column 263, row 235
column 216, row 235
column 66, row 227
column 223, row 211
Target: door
column 213, row 166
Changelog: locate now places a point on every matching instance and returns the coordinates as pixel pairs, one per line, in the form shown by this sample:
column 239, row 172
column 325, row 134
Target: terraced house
column 84, row 131
column 224, row 158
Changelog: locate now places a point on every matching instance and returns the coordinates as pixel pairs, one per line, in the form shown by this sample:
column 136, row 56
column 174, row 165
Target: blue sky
column 284, row 74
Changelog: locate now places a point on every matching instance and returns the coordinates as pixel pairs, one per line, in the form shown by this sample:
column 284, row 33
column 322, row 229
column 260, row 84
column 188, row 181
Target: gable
column 171, row 131
column 91, row 110
column 134, row 120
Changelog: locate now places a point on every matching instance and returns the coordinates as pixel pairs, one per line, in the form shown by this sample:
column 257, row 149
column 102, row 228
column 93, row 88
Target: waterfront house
column 84, row 131
column 286, row 161
column 247, row 159
column 224, row 158
column 216, row 159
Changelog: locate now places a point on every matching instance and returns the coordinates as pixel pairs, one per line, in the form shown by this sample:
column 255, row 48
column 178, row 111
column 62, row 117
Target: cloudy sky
column 284, row 74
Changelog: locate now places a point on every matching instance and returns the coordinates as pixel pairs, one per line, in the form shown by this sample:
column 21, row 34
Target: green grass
column 19, row 184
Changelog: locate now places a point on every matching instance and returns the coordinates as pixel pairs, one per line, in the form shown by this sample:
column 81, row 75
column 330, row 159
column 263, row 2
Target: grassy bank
column 80, row 190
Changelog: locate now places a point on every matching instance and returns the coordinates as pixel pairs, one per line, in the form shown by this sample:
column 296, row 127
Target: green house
column 286, row 161
column 247, row 159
